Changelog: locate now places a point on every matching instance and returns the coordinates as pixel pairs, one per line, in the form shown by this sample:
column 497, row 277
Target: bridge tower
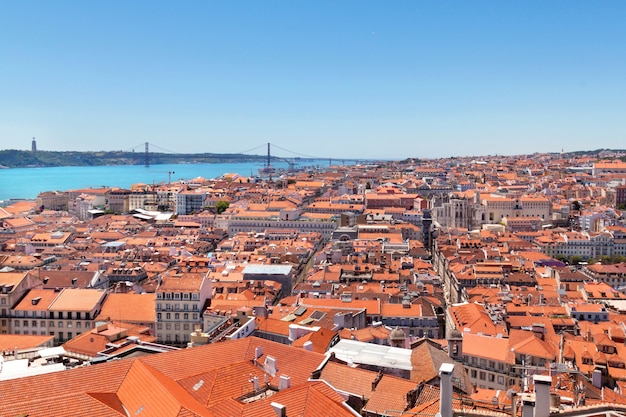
column 147, row 156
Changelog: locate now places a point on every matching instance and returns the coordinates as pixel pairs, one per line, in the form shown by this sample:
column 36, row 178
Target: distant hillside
column 22, row 159
column 600, row 153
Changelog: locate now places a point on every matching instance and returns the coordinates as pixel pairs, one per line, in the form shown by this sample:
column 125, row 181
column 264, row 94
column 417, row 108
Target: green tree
column 575, row 259
column 221, row 206
column 561, row 257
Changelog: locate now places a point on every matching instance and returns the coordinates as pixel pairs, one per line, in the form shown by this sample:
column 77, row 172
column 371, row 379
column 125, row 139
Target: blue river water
column 27, row 183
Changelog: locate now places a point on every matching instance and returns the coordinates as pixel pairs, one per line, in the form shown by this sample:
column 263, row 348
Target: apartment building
column 85, row 205
column 62, row 313
column 492, row 368
column 415, row 320
column 508, row 360
column 608, row 167
column 31, row 315
column 190, row 201
column 584, row 244
column 180, row 302
column 620, row 195
column 13, row 286
column 52, row 200
column 498, row 207
column 119, row 200
column 142, row 199
column 259, row 221
column 137, row 309
column 73, row 311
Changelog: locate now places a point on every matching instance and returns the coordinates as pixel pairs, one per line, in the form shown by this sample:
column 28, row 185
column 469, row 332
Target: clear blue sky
column 342, row 79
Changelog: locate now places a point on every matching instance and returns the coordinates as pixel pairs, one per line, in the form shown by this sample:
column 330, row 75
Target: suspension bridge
column 292, row 159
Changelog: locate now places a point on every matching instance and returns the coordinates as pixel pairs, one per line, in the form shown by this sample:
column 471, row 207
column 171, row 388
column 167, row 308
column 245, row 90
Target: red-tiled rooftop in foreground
column 173, row 384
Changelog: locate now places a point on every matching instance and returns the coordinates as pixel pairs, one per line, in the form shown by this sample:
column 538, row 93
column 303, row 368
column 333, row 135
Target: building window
column 482, row 375
column 60, row 325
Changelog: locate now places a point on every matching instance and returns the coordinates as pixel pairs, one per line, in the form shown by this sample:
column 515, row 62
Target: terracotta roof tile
column 77, row 299
column 137, row 308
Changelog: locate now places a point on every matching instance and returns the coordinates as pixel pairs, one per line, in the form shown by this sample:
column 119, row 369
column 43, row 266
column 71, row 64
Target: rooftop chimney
column 308, row 345
column 270, row 365
column 542, row 395
column 596, row 378
column 445, row 389
column 528, row 406
column 279, row 409
column 284, row 382
column 258, row 352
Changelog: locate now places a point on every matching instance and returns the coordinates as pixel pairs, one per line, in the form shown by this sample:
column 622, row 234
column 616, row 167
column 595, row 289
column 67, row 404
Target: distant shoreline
column 50, row 159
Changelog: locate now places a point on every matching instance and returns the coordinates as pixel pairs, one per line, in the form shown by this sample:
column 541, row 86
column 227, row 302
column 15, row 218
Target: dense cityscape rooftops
column 355, row 285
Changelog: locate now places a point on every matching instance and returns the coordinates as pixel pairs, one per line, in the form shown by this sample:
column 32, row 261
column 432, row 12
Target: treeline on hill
column 23, row 159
